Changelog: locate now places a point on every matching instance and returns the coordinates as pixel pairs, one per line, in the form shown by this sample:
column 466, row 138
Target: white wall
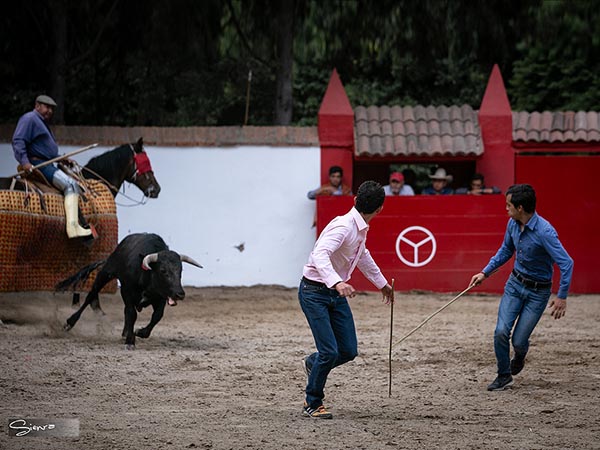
column 213, row 199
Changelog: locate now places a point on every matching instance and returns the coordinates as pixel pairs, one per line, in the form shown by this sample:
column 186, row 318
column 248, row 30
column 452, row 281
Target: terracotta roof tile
column 592, row 120
column 398, row 128
column 559, row 126
column 417, row 131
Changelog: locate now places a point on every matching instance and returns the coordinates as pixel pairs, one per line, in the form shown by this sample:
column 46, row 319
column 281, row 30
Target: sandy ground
column 222, row 371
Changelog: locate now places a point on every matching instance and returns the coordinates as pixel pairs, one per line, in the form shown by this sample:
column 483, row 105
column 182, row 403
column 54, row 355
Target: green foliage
column 186, row 63
column 559, row 66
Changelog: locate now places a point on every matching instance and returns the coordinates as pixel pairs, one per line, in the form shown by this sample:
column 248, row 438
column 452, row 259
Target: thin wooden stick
column 435, row 313
column 58, row 158
column 391, row 337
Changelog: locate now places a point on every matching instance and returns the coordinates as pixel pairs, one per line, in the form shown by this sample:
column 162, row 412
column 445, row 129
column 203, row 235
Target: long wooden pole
column 391, row 337
column 431, row 316
column 58, row 158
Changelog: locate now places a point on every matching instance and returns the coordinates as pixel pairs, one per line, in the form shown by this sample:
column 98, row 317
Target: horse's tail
column 79, row 278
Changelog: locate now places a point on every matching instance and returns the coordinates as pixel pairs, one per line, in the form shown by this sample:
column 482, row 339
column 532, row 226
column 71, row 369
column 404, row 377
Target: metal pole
column 58, row 158
column 248, row 97
column 391, row 337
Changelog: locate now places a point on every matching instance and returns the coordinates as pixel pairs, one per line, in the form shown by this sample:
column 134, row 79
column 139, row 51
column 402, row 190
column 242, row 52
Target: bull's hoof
column 130, row 347
column 142, row 332
column 67, row 327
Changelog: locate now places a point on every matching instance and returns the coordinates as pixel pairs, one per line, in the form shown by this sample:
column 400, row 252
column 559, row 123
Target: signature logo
column 43, row 427
column 419, row 236
column 21, row 424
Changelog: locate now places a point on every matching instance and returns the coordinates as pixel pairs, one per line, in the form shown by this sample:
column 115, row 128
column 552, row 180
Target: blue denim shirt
column 33, row 139
column 537, row 248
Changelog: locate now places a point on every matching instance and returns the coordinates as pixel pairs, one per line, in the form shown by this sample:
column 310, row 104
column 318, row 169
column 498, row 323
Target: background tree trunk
column 59, row 58
column 285, row 61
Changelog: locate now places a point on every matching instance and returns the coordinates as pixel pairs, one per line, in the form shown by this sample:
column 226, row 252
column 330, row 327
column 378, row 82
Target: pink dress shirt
column 340, row 248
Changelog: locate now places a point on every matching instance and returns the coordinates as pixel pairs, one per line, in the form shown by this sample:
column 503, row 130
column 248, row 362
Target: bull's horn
column 187, row 259
column 148, row 259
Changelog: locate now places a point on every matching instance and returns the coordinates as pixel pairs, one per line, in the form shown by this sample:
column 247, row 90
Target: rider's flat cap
column 46, row 100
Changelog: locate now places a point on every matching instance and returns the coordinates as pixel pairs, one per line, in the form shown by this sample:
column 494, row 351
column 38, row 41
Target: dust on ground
column 222, row 371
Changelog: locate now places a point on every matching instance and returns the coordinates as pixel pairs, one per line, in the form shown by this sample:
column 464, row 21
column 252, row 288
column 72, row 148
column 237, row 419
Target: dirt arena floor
column 222, row 371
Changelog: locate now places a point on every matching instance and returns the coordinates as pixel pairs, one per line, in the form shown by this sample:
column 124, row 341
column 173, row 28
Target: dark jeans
column 522, row 303
column 332, row 325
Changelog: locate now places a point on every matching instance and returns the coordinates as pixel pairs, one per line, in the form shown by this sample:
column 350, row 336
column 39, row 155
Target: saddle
column 36, row 182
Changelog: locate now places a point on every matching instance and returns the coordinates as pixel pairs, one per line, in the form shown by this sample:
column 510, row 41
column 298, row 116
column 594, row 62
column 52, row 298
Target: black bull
column 150, row 274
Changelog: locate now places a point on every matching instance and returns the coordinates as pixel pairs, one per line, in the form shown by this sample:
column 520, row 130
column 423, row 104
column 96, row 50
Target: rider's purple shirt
column 33, row 139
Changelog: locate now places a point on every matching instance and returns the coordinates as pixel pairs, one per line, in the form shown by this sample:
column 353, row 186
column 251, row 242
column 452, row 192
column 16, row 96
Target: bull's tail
column 74, row 281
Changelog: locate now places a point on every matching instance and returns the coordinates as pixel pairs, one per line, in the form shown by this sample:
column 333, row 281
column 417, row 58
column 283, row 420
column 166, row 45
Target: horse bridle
column 139, row 159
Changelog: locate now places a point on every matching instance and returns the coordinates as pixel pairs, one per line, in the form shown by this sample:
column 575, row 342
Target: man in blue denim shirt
column 527, row 291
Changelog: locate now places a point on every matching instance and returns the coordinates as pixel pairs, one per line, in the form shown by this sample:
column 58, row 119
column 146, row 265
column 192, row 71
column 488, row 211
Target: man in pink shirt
column 341, row 248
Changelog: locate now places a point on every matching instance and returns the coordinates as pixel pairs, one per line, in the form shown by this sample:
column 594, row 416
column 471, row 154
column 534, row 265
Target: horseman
column 33, row 143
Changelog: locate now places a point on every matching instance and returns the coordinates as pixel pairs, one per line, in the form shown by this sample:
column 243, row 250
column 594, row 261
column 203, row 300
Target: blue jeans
column 522, row 303
column 332, row 325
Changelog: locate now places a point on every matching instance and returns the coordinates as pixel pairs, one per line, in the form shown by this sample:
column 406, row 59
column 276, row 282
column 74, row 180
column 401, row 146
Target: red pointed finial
column 335, row 101
column 495, row 100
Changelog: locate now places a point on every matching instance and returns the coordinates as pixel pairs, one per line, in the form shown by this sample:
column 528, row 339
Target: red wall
column 568, row 195
column 468, row 232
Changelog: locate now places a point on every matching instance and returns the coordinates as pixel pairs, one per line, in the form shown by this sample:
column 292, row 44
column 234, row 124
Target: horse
column 128, row 162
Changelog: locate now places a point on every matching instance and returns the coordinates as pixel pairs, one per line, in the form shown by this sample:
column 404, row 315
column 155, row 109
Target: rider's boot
column 74, row 230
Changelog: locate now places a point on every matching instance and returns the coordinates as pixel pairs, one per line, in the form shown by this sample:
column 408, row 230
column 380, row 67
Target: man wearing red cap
column 397, row 186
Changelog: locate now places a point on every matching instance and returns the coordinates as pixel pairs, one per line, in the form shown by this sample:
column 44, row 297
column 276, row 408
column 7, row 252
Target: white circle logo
column 418, row 260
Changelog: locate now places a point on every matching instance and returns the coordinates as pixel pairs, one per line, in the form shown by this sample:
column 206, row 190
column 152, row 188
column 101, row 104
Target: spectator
column 397, row 186
column 439, row 183
column 477, row 187
column 334, row 187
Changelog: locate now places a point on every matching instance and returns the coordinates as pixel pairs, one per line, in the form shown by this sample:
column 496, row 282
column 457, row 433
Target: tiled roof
column 417, row 131
column 559, row 126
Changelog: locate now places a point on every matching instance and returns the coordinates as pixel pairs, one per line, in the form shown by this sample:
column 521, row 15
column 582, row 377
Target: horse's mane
column 111, row 161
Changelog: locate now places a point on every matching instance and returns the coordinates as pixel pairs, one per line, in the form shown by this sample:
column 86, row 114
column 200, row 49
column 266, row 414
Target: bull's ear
column 140, row 144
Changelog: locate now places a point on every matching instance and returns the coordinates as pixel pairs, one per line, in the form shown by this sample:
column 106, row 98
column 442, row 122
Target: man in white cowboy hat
column 439, row 183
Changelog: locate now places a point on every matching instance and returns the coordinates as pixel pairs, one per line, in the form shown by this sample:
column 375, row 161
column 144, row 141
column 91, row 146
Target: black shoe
column 500, row 383
column 517, row 364
column 306, row 367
